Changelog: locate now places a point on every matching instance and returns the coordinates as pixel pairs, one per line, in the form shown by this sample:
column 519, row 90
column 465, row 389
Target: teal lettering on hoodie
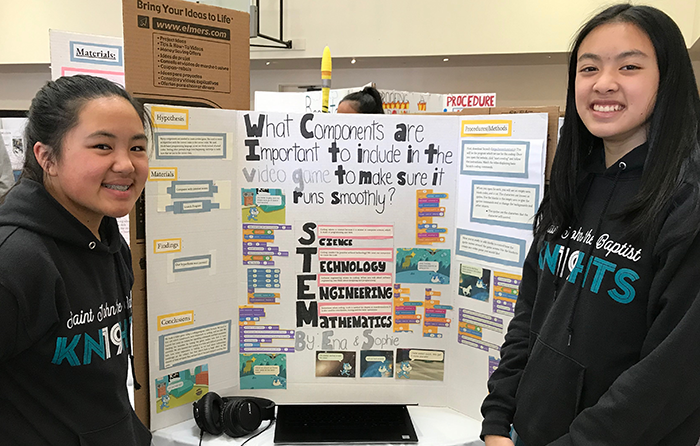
column 66, row 352
column 549, row 257
column 628, row 291
column 99, row 345
column 603, row 267
column 624, row 277
column 93, row 346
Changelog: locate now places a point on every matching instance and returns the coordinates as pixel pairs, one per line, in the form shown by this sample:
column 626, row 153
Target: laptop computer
column 310, row 424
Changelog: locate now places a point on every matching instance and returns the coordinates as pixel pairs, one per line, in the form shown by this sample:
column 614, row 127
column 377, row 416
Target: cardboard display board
column 334, row 258
column 185, row 53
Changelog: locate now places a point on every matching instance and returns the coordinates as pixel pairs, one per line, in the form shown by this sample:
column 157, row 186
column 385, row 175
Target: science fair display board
column 300, row 101
column 394, row 102
column 334, row 258
column 100, row 56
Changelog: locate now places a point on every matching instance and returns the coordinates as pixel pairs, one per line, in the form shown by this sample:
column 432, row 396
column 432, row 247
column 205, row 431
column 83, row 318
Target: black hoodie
column 65, row 319
column 604, row 348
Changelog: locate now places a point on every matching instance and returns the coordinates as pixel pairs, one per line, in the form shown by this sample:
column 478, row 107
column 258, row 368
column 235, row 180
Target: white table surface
column 435, row 426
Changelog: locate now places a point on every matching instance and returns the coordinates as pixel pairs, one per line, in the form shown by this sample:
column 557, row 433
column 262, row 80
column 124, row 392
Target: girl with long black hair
column 65, row 270
column 603, row 347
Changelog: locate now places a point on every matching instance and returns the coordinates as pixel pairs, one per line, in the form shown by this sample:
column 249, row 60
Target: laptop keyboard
column 343, row 415
column 344, row 424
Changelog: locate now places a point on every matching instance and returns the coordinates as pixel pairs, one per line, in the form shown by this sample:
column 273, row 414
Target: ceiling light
column 353, row 60
column 267, row 63
column 446, row 59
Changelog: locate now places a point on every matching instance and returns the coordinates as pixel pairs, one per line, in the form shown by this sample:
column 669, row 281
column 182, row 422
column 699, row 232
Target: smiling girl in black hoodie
column 603, row 347
column 65, row 281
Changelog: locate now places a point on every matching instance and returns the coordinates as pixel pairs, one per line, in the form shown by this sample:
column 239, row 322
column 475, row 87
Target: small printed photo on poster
column 183, row 387
column 340, row 364
column 263, row 371
column 413, row 363
column 376, row 364
column 474, row 282
column 423, row 265
column 263, row 205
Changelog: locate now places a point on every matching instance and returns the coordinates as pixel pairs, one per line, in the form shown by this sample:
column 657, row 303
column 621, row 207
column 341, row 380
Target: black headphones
column 234, row 416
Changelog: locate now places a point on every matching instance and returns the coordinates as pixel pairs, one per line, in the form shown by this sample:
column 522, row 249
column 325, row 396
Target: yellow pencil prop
column 325, row 78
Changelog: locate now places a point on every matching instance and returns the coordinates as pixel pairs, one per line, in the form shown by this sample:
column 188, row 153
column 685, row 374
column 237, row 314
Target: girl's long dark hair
column 674, row 152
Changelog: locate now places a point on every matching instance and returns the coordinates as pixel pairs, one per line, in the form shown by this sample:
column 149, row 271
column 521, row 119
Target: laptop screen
column 343, row 423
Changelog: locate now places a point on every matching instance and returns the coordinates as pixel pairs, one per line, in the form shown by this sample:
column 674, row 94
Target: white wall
column 351, row 28
column 25, row 24
column 446, row 27
column 371, row 28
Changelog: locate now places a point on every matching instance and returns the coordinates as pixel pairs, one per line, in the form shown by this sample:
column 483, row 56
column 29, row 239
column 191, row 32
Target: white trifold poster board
column 73, row 53
column 334, row 258
column 394, row 102
column 301, row 101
